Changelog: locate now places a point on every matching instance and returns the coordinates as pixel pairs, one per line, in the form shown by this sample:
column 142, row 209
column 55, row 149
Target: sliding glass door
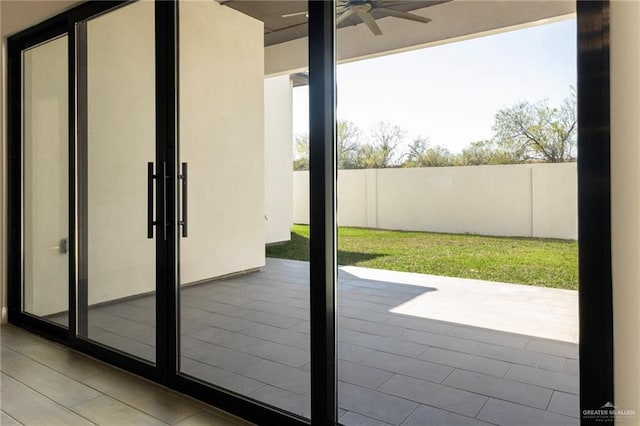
column 243, row 318
column 155, row 221
column 116, row 149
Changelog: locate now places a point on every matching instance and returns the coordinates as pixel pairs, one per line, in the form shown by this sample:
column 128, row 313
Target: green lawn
column 531, row 261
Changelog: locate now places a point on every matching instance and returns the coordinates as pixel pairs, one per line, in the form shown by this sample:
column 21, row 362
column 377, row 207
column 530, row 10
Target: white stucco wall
column 278, row 139
column 222, row 138
column 535, row 200
column 625, row 204
column 121, row 140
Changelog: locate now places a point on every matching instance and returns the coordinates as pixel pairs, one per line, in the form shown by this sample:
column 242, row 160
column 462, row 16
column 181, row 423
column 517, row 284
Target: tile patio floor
column 413, row 349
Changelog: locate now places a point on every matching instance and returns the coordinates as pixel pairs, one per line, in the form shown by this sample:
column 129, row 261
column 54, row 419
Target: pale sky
column 450, row 93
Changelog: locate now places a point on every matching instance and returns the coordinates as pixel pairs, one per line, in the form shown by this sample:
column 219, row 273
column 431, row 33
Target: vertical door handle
column 184, row 180
column 164, row 200
column 150, row 221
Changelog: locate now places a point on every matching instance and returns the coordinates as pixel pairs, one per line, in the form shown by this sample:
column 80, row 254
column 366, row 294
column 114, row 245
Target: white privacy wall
column 278, row 139
column 532, row 200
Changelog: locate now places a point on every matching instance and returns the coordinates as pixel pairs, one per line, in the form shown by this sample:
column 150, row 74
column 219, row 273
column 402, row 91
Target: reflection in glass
column 244, row 317
column 45, row 148
column 113, row 154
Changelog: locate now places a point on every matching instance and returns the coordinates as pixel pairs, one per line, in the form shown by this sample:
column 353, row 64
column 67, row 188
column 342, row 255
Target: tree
column 380, row 151
column 349, row 139
column 301, row 152
column 538, row 132
column 485, row 152
column 421, row 154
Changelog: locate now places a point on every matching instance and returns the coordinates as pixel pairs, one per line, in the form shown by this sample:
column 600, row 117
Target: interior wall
column 625, row 204
column 221, row 131
column 278, row 157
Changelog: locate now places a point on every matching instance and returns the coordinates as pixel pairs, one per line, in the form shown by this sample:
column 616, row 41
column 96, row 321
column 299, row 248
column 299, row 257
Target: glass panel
column 244, row 318
column 46, row 201
column 120, row 141
column 457, row 219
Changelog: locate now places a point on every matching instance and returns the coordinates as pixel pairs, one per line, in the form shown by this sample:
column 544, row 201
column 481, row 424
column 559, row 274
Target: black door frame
column 594, row 209
column 596, row 318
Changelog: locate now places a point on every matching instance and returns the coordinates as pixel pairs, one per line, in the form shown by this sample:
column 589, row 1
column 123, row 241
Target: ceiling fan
column 346, row 9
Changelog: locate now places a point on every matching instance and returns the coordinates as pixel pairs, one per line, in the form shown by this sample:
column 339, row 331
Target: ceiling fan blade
column 344, row 16
column 371, row 23
column 404, row 15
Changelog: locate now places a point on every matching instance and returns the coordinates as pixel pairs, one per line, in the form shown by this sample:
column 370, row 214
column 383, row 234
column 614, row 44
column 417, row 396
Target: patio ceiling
column 286, row 43
column 279, row 28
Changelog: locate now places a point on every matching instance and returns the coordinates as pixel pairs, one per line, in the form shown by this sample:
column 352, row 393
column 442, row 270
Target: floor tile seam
column 489, row 343
column 364, row 415
column 73, row 352
column 239, row 373
column 531, row 408
column 437, row 333
column 434, row 406
column 65, row 408
column 550, row 398
column 112, row 370
column 138, row 409
column 14, row 377
column 281, row 314
column 503, row 399
column 129, row 402
column 388, row 352
column 393, row 373
column 302, row 335
column 201, row 361
column 453, row 369
column 512, row 363
column 304, row 395
column 545, row 386
column 482, row 408
column 423, row 380
column 239, row 348
column 133, row 338
column 465, row 369
column 407, row 417
column 186, row 418
column 224, row 416
column 126, row 318
column 577, row 416
column 11, row 417
column 559, row 356
column 275, row 360
column 382, row 306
